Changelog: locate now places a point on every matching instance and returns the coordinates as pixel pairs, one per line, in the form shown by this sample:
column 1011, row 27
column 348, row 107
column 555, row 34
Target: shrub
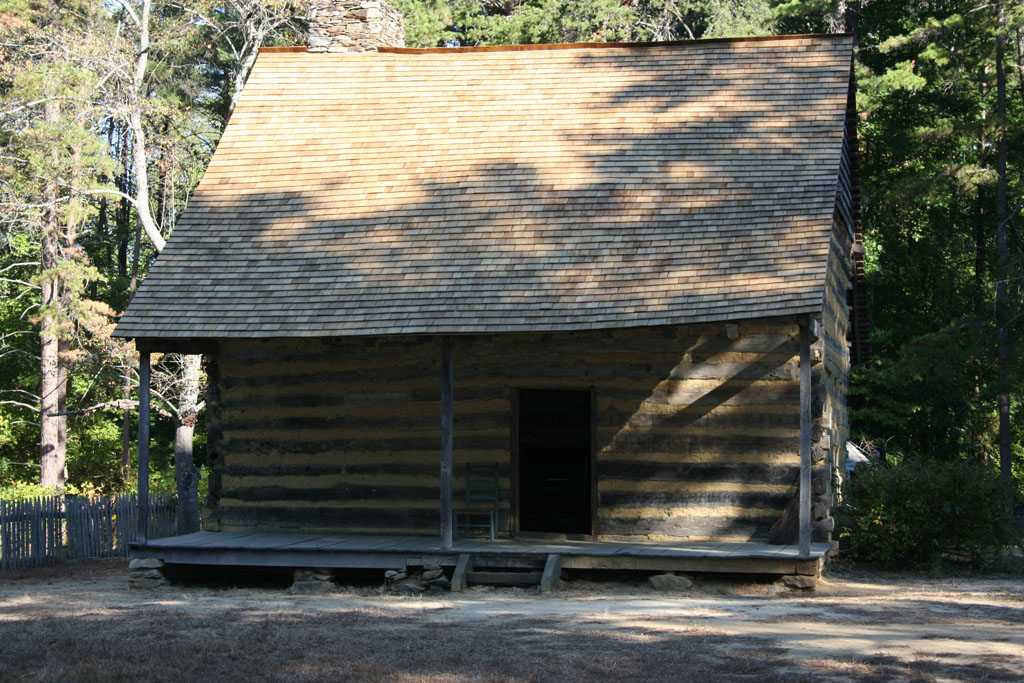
column 919, row 512
column 21, row 490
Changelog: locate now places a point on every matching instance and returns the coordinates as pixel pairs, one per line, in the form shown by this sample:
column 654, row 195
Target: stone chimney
column 353, row 26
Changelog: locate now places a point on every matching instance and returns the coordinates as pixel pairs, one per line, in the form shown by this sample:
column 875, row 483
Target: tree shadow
column 316, row 639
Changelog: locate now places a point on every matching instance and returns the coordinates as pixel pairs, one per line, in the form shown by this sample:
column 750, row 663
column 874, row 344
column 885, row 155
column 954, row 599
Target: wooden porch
column 400, row 552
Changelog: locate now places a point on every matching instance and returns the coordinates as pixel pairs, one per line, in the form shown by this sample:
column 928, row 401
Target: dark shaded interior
column 554, row 461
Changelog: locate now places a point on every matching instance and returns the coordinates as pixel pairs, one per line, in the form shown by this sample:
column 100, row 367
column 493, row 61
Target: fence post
column 4, row 552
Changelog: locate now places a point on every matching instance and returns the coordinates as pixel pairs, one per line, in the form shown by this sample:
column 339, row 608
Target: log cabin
column 625, row 276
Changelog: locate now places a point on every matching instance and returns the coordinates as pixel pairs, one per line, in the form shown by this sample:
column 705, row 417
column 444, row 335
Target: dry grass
column 80, row 622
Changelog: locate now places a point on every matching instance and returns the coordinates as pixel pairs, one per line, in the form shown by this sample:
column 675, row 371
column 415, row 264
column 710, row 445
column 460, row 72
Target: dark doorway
column 554, row 461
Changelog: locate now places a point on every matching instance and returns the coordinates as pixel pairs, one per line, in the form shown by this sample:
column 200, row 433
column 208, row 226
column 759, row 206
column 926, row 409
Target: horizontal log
column 741, row 432
column 346, row 407
column 714, row 393
column 659, row 512
column 642, row 417
column 275, row 469
column 363, row 366
column 428, row 456
column 622, row 404
column 497, row 413
column 327, row 481
column 698, row 472
column 694, row 443
column 713, row 527
column 305, row 442
column 754, row 336
column 695, row 456
column 322, row 517
column 336, row 519
column 365, row 470
column 667, row 538
column 248, row 527
column 645, row 485
column 427, row 388
column 398, row 495
column 365, row 425
column 706, row 500
column 567, row 375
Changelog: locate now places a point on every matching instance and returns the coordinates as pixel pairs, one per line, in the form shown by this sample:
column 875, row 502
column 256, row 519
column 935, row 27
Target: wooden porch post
column 142, row 530
column 805, row 438
column 447, row 381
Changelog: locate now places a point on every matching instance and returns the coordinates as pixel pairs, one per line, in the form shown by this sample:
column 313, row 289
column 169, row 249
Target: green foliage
column 922, row 511
column 163, row 481
column 732, row 18
column 926, row 79
column 474, row 22
column 22, row 490
column 559, row 21
column 429, row 23
column 932, row 396
column 73, row 60
column 25, row 490
column 94, row 444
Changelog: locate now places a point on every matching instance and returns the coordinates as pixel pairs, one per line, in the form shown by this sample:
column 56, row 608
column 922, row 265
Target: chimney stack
column 353, row 26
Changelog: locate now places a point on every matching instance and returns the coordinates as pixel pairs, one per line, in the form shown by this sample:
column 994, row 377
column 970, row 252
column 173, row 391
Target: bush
column 21, row 490
column 919, row 512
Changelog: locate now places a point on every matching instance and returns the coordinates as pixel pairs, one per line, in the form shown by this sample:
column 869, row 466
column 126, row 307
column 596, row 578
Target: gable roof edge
column 570, row 46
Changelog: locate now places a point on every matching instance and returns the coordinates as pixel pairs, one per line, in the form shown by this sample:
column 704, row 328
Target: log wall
column 697, row 427
column 832, row 426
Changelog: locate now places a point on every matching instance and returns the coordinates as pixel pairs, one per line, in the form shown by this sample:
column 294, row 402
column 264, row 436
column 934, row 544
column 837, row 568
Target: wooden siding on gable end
column 848, row 212
column 696, row 427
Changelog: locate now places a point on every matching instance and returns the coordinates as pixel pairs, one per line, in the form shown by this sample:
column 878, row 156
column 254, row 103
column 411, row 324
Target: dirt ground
column 80, row 621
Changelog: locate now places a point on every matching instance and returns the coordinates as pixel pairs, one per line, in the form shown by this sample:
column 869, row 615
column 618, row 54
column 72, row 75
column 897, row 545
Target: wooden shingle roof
column 511, row 190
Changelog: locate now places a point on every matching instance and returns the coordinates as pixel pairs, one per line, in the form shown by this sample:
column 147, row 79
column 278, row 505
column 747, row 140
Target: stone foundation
column 311, row 581
column 146, row 573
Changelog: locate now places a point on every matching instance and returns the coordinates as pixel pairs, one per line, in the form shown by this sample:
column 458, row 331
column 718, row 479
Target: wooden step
column 466, row 573
column 504, row 578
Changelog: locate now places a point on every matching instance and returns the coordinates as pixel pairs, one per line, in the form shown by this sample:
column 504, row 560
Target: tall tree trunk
column 52, row 434
column 1002, row 246
column 139, row 160
column 126, row 418
column 63, row 347
column 185, row 470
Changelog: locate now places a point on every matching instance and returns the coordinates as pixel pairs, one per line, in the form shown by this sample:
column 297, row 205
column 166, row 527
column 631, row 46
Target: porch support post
column 142, row 530
column 805, row 438
column 447, row 396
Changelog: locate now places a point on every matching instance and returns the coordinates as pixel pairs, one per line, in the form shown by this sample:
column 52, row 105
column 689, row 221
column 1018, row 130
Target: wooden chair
column 481, row 487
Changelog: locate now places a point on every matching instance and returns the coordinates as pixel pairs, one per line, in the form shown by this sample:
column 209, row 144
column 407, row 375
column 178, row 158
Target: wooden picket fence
column 43, row 530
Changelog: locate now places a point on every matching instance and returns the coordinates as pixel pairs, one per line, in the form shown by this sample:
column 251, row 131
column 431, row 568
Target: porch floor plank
column 358, row 550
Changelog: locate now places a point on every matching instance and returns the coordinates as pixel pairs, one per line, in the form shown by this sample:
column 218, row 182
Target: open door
column 554, row 462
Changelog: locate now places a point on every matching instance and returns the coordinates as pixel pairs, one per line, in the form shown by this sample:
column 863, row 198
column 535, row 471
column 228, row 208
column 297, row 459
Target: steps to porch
column 477, row 571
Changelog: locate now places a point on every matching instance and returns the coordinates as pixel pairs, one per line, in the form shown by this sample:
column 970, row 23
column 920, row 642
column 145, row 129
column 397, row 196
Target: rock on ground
column 670, row 582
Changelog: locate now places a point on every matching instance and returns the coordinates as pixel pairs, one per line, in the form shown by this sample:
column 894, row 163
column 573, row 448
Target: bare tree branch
column 17, row 265
column 19, row 404
column 119, row 404
column 130, row 12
